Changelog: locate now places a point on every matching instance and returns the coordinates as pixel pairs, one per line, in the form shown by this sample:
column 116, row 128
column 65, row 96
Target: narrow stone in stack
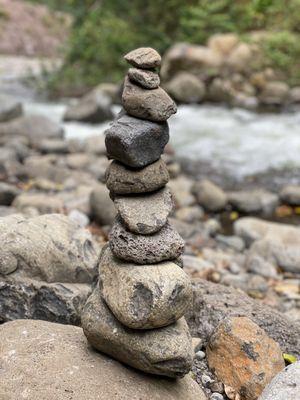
column 136, row 312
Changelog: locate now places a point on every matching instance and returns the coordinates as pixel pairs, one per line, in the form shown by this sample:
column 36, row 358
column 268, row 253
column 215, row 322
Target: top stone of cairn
column 144, row 57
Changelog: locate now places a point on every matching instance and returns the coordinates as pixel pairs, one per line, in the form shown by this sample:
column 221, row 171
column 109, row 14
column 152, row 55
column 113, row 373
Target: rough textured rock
column 153, row 105
column 44, row 203
column 9, row 108
column 7, row 193
column 290, row 195
column 243, row 356
column 143, row 57
column 146, row 79
column 162, row 351
column 34, row 127
column 285, row 385
column 134, row 142
column 60, row 354
column 144, row 297
column 145, row 249
column 145, row 214
column 48, row 248
column 275, row 243
column 209, row 195
column 102, row 208
column 213, row 302
column 29, row 298
column 186, row 88
column 95, row 107
column 253, row 201
column 123, row 180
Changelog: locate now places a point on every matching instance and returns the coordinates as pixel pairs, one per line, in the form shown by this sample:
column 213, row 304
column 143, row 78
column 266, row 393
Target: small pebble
column 200, row 355
column 216, row 396
column 206, row 380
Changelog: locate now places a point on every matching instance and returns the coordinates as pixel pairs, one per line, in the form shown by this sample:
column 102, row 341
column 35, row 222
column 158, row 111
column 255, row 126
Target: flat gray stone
column 163, row 245
column 144, row 296
column 153, row 105
column 134, row 142
column 143, row 57
column 145, row 214
column 146, row 79
column 123, row 180
column 162, row 351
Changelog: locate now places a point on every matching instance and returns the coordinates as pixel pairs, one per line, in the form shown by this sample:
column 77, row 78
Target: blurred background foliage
column 104, row 29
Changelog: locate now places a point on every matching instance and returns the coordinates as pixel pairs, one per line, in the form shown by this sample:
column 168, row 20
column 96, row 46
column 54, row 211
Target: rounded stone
column 144, row 297
column 143, row 57
column 153, row 105
column 163, row 245
column 145, row 214
column 123, row 180
column 146, row 79
column 134, row 142
column 162, row 351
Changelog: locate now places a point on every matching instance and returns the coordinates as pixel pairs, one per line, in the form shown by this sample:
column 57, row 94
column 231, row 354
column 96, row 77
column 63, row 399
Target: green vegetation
column 104, row 29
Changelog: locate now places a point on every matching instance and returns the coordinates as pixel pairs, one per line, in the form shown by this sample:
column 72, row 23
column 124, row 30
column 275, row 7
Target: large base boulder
column 42, row 360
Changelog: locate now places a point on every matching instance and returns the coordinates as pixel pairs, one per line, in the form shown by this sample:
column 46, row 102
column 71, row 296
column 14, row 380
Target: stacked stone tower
column 136, row 312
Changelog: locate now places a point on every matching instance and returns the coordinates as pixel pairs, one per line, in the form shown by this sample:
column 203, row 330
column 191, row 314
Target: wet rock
column 181, row 188
column 143, row 57
column 144, row 297
column 34, row 127
column 162, row 351
column 123, row 180
column 243, row 356
column 186, row 88
column 95, row 107
column 146, row 249
column 136, row 143
column 145, row 214
column 7, row 193
column 44, row 203
column 274, row 93
column 79, row 372
column 102, row 207
column 209, row 195
column 9, row 108
column 153, row 105
column 146, row 79
column 290, row 195
column 214, row 302
column 285, row 385
column 45, row 248
column 253, row 201
column 23, row 298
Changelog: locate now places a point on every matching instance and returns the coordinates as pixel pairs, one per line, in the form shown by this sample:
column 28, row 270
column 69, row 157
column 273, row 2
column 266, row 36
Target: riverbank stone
column 143, row 57
column 134, row 142
column 123, row 180
column 144, row 297
column 146, row 79
column 163, row 351
column 145, row 214
column 166, row 244
column 153, row 105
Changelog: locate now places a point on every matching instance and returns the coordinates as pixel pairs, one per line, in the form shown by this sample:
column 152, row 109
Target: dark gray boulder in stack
column 136, row 312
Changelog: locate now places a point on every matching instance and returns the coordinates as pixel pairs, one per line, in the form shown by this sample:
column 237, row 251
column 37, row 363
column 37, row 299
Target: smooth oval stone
column 123, row 180
column 153, row 105
column 143, row 57
column 145, row 214
column 144, row 297
column 144, row 78
column 134, row 142
column 166, row 244
column 163, row 351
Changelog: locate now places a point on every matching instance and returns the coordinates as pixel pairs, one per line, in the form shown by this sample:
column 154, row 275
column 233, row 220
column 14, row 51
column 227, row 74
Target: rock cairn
column 136, row 312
